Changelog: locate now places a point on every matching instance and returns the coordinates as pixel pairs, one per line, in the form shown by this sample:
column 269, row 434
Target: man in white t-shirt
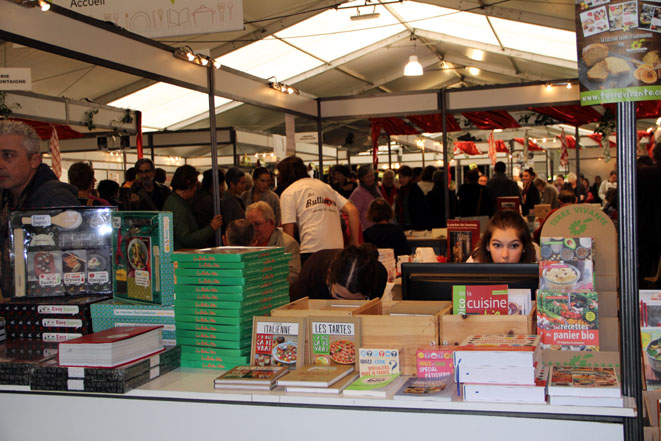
column 315, row 207
column 611, row 182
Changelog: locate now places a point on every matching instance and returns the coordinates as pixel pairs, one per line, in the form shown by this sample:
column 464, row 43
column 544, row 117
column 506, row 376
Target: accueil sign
column 163, row 18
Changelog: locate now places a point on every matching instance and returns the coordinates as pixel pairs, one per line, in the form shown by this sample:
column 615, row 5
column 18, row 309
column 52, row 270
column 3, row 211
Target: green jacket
column 187, row 233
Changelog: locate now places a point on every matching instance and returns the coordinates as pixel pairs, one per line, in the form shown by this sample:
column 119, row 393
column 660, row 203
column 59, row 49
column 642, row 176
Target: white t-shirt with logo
column 315, row 207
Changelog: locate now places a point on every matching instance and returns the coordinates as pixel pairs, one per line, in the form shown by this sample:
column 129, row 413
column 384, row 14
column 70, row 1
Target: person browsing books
column 507, row 239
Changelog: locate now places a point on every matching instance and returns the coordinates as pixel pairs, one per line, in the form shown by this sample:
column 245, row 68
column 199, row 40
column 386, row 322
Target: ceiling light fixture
column 549, row 86
column 569, row 85
column 474, row 71
column 282, row 87
column 44, row 5
column 477, row 55
column 187, row 54
column 413, row 68
column 370, row 16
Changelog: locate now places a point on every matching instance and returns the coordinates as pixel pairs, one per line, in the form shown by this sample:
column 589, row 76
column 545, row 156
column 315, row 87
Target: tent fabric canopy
column 45, row 129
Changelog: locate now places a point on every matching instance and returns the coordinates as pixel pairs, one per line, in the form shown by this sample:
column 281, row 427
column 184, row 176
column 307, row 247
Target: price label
column 98, row 277
column 142, row 278
column 49, row 279
column 74, row 278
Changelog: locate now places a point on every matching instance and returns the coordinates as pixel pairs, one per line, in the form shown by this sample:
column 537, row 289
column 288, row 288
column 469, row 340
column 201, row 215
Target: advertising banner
column 619, row 45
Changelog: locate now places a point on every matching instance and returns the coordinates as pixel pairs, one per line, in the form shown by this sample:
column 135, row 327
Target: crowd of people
column 332, row 229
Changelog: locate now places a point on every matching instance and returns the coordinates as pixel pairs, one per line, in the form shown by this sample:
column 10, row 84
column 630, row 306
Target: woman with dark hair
column 186, row 231
column 81, row 175
column 260, row 191
column 426, row 182
column 384, row 234
column 353, row 273
column 315, row 207
column 529, row 194
column 365, row 193
column 507, row 239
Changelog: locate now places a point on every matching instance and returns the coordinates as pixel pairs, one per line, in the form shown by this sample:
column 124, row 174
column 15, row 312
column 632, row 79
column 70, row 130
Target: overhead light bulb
column 44, row 5
column 190, row 56
column 543, row 139
column 203, row 60
column 216, row 64
column 549, row 87
column 290, row 90
column 413, row 68
column 568, row 85
column 474, row 71
column 477, row 55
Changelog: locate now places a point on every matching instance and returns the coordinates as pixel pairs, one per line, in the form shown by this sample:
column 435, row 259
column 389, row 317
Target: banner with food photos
column 619, row 50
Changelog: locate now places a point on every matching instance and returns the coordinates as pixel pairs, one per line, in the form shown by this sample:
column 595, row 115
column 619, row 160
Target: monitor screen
column 434, row 281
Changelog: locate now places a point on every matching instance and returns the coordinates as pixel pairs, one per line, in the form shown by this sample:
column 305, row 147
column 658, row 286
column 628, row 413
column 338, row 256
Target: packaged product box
column 142, row 265
column 61, row 251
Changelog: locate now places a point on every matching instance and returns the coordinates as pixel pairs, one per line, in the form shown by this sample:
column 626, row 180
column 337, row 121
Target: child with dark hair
column 384, row 234
column 109, row 190
column 506, row 240
column 352, row 273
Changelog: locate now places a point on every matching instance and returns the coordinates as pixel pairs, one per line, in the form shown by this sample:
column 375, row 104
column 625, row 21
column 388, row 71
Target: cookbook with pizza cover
column 333, row 340
column 278, row 341
column 584, row 381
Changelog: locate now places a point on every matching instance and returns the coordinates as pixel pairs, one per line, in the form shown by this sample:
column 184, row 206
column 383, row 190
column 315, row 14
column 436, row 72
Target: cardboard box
column 307, row 307
column 406, row 325
column 455, row 328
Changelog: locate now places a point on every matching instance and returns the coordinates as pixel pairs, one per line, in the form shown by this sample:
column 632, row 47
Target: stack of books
column 567, row 304
column 500, row 368
column 18, row 359
column 50, row 375
column 218, row 292
column 319, row 379
column 584, row 386
column 379, row 373
column 250, row 377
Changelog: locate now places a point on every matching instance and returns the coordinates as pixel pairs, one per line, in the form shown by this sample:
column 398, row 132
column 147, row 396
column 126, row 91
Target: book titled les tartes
column 316, row 376
column 250, row 377
column 112, row 347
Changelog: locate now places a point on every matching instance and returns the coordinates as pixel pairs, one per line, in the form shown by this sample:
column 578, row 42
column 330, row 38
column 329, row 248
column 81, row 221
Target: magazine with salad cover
column 568, row 320
column 278, row 341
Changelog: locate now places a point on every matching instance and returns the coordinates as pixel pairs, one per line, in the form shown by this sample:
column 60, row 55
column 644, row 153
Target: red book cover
column 486, row 299
column 463, row 236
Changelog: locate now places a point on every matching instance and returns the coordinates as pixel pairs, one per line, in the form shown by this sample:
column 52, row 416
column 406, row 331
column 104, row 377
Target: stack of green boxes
column 218, row 291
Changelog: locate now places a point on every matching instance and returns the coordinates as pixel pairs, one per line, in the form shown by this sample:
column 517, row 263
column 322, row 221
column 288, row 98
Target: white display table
column 183, row 405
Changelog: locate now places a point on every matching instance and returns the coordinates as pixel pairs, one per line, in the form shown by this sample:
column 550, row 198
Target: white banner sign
column 15, row 78
column 163, row 18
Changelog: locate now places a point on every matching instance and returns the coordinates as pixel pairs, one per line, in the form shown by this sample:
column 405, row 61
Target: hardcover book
column 112, row 347
column 378, row 361
column 441, row 389
column 251, row 375
column 568, row 320
column 333, row 340
column 463, row 236
column 278, row 342
column 584, row 381
column 498, row 350
column 650, row 339
column 316, row 376
column 434, row 362
column 496, row 375
column 333, row 389
column 480, row 299
column 379, row 386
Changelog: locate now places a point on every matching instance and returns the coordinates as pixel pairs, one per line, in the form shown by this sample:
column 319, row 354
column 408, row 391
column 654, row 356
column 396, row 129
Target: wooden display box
column 307, row 307
column 418, row 325
column 455, row 328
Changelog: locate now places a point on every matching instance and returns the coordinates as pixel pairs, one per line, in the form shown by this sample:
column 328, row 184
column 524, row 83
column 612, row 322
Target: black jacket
column 436, row 206
column 45, row 190
column 501, row 185
column 388, row 236
column 148, row 201
column 474, row 200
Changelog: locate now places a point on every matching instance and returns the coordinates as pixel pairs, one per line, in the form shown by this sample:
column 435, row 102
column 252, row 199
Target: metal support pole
column 578, row 158
column 627, row 194
column 446, row 164
column 211, row 82
column 150, row 140
column 389, row 153
column 320, row 141
column 511, row 161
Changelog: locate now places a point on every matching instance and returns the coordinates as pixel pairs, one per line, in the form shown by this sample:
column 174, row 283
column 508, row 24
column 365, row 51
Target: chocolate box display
column 61, row 251
column 142, row 244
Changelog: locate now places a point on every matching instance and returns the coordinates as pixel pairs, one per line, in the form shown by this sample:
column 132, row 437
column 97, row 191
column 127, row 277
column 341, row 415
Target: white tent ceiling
column 316, row 46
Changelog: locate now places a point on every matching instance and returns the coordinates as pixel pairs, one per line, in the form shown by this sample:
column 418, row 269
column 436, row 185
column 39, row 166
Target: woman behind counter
column 506, row 240
column 187, row 233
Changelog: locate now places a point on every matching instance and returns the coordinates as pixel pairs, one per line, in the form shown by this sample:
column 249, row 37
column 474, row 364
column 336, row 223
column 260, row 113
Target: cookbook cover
column 568, row 320
column 333, row 340
column 278, row 342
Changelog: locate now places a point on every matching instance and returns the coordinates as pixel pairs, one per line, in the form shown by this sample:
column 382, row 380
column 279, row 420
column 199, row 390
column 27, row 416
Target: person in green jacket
column 187, row 233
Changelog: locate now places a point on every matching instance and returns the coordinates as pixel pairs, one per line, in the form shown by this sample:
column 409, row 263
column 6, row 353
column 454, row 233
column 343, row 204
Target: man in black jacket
column 501, row 185
column 146, row 194
column 25, row 183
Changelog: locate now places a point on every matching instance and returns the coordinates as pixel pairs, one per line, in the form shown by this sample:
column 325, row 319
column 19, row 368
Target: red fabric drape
column 532, row 146
column 467, row 147
column 45, row 130
column 571, row 141
column 572, row 115
column 644, row 109
column 434, row 123
column 501, row 147
column 493, row 119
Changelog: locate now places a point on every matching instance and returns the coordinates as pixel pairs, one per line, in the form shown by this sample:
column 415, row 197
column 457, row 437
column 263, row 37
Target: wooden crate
column 307, row 307
column 417, row 326
column 455, row 328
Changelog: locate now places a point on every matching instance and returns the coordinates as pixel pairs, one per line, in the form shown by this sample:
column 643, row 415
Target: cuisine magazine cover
column 278, row 342
column 618, row 49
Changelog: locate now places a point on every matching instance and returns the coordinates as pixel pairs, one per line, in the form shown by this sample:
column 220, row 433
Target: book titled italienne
column 112, row 347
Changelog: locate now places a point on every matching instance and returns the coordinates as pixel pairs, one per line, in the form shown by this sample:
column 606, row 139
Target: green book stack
column 218, row 292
